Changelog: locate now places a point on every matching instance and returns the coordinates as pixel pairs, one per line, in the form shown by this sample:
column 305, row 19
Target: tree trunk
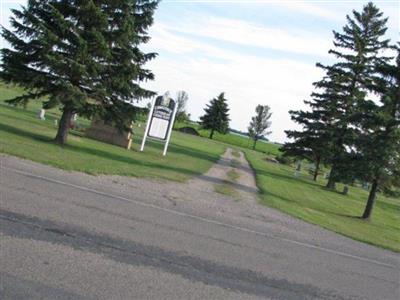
column 211, row 133
column 254, row 144
column 371, row 200
column 63, row 127
column 331, row 181
column 317, row 163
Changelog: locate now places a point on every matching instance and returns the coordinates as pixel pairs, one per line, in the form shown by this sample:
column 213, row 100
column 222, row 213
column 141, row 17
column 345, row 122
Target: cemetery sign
column 160, row 121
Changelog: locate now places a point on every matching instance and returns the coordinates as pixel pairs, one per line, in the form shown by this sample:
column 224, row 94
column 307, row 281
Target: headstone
column 101, row 131
column 41, row 114
column 345, row 190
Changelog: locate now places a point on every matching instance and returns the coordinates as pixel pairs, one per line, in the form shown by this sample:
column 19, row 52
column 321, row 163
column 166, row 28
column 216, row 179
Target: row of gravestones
column 98, row 130
column 364, row 185
column 42, row 115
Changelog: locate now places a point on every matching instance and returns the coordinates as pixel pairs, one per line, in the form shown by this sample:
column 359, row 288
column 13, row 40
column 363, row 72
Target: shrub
column 285, row 160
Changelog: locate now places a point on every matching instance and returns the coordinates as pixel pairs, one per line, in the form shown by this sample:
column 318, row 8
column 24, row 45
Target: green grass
column 235, row 163
column 236, row 153
column 308, row 200
column 226, row 189
column 23, row 135
column 235, row 140
column 233, row 175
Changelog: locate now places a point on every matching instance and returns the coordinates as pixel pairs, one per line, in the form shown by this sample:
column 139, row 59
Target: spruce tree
column 379, row 141
column 82, row 55
column 358, row 50
column 342, row 91
column 260, row 123
column 216, row 117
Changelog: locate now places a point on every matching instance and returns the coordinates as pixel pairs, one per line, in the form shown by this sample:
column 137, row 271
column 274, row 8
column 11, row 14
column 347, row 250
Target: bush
column 285, row 160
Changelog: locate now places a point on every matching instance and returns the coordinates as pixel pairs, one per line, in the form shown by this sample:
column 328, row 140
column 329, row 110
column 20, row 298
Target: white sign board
column 160, row 121
column 158, row 128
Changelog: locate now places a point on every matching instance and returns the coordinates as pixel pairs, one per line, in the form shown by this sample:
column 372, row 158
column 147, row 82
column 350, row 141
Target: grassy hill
column 22, row 134
column 235, row 140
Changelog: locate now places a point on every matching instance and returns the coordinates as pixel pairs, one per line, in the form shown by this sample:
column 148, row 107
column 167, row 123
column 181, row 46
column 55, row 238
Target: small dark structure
column 189, row 130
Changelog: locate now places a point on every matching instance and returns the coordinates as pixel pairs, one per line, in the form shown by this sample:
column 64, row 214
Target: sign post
column 160, row 121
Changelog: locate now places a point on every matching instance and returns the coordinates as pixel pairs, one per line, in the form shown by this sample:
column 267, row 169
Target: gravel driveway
column 68, row 235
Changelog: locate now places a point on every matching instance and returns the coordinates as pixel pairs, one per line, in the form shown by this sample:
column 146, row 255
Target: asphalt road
column 72, row 236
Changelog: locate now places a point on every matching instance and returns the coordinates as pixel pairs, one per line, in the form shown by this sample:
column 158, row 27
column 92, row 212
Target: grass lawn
column 308, row 200
column 236, row 140
column 226, row 189
column 23, row 135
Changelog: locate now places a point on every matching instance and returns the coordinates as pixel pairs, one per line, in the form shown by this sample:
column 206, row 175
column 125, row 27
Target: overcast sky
column 257, row 52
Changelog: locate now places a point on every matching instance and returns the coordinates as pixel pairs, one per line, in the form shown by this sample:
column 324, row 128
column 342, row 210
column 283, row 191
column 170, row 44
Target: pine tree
column 216, row 117
column 379, row 142
column 260, row 123
column 342, row 91
column 332, row 111
column 311, row 142
column 82, row 55
column 358, row 50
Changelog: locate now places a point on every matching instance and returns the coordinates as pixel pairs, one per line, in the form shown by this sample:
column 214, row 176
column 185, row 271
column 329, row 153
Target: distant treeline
column 246, row 134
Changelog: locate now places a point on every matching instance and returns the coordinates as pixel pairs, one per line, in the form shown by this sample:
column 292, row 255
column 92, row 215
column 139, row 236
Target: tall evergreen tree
column 358, row 50
column 82, row 55
column 216, row 117
column 342, row 91
column 379, row 141
column 260, row 123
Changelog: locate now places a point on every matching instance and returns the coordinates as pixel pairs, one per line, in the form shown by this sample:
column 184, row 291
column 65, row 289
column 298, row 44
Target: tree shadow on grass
column 24, row 133
column 356, row 217
column 129, row 160
column 226, row 162
column 286, row 178
column 324, row 211
column 389, row 206
column 192, row 152
column 114, row 156
column 332, row 190
column 269, row 194
column 235, row 185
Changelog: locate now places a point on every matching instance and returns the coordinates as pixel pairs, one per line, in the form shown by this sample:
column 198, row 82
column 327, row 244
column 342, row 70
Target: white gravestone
column 41, row 114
